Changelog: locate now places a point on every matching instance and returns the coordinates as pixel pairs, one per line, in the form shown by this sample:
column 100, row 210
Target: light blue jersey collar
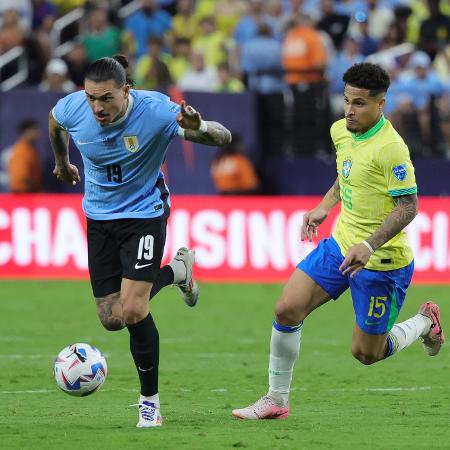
column 124, row 117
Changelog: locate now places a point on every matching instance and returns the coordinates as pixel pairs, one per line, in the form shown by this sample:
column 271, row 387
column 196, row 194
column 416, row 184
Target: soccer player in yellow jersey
column 368, row 252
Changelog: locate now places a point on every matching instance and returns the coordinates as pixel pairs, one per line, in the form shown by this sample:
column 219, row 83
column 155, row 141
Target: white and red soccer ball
column 80, row 369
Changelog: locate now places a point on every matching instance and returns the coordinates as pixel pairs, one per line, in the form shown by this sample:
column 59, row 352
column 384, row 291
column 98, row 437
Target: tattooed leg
column 109, row 310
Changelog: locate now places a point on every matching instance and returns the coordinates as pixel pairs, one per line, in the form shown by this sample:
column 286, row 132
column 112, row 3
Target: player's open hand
column 188, row 118
column 311, row 221
column 355, row 260
column 68, row 173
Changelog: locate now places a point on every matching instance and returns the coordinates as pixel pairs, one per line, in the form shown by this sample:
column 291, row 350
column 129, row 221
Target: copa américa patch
column 400, row 172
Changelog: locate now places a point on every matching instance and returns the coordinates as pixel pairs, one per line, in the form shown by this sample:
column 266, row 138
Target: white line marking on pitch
column 389, row 389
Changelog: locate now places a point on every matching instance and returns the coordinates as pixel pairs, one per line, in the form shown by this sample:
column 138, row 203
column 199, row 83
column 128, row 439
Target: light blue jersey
column 122, row 161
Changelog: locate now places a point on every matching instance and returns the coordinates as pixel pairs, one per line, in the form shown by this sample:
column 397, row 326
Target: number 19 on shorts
column 145, row 249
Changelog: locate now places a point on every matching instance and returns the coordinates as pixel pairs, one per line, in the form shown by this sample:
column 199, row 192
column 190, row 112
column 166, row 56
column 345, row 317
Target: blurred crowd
column 292, row 53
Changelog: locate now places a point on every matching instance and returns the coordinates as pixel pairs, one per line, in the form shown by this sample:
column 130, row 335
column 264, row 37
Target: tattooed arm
column 403, row 213
column 197, row 130
column 406, row 208
column 59, row 140
column 216, row 135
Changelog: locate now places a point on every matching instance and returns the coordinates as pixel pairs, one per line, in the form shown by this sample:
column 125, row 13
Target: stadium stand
column 288, row 54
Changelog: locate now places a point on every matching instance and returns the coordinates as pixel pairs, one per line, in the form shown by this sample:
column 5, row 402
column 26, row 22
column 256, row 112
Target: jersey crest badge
column 400, row 172
column 131, row 143
column 346, row 166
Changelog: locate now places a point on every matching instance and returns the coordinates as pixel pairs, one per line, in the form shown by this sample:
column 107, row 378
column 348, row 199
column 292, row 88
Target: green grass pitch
column 213, row 358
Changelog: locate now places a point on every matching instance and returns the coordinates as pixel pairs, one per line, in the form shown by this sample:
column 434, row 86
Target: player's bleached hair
column 115, row 68
column 367, row 76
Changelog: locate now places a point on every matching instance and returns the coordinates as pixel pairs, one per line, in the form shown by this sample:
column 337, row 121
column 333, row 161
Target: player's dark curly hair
column 367, row 76
column 115, row 68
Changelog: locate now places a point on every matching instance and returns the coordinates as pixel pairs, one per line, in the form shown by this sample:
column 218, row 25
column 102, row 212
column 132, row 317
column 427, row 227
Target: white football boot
column 149, row 415
column 188, row 287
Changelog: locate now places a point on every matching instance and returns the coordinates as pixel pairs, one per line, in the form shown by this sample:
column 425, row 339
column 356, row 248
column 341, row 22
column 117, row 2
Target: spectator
column 41, row 36
column 149, row 21
column 11, row 32
column 434, row 31
column 24, row 11
column 442, row 63
column 39, row 49
column 56, row 77
column 200, row 78
column 178, row 61
column 210, row 42
column 228, row 82
column 247, row 27
column 228, row 14
column 184, row 22
column 42, row 9
column 391, row 38
column 368, row 44
column 25, row 172
column 381, row 17
column 443, row 105
column 261, row 62
column 275, row 17
column 232, row 172
column 333, row 23
column 419, row 85
column 151, row 70
column 305, row 59
column 65, row 6
column 304, row 54
column 294, row 10
column 348, row 56
column 77, row 64
column 102, row 38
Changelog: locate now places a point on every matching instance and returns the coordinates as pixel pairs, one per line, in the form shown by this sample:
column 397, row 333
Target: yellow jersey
column 372, row 169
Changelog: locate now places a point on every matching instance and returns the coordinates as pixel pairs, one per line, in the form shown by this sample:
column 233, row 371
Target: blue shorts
column 377, row 295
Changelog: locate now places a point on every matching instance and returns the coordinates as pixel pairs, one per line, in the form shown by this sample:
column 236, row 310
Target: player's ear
column 126, row 90
column 381, row 104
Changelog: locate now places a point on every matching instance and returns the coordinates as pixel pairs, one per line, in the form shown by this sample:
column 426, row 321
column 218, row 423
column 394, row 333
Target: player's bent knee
column 287, row 315
column 364, row 357
column 112, row 323
column 133, row 314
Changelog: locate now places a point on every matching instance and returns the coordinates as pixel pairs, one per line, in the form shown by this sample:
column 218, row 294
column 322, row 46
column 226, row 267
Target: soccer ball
column 80, row 369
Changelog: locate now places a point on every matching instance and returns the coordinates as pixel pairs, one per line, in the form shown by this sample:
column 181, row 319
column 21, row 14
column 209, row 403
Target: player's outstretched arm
column 203, row 132
column 59, row 140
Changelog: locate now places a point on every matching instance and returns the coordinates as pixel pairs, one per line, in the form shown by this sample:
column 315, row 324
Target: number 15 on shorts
column 377, row 307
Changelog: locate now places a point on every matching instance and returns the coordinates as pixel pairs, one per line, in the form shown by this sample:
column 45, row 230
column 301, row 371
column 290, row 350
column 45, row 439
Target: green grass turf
column 213, row 358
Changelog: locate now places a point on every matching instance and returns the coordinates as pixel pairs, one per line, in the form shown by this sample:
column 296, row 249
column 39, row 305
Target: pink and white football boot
column 433, row 340
column 264, row 408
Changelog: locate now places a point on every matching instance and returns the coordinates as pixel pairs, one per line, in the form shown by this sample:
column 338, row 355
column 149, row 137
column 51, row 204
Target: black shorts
column 124, row 248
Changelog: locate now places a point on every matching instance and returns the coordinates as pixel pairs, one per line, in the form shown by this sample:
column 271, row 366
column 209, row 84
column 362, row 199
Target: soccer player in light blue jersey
column 123, row 135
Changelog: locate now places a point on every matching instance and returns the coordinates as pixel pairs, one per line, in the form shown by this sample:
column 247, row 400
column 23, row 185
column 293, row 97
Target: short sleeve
column 63, row 111
column 398, row 169
column 168, row 114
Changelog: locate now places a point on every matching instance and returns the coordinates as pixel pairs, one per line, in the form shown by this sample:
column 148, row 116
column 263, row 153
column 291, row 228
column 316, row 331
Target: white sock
column 151, row 399
column 284, row 350
column 405, row 333
column 179, row 271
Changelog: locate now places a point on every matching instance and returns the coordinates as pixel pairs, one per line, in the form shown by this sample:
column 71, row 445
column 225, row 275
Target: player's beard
column 353, row 126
